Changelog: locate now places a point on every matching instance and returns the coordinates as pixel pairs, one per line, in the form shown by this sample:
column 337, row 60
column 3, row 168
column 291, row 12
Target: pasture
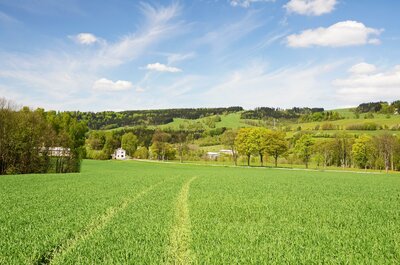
column 130, row 212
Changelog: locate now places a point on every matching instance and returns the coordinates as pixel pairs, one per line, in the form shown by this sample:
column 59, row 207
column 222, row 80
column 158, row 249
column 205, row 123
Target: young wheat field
column 133, row 212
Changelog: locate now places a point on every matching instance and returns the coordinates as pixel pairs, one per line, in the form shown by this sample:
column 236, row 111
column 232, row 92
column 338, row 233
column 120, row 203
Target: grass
column 119, row 212
column 231, row 120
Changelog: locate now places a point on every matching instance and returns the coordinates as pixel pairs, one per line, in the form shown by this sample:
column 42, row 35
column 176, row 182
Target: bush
column 368, row 126
column 328, row 126
column 141, row 153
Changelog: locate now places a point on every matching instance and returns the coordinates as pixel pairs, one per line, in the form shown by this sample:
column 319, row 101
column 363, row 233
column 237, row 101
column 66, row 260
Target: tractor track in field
column 56, row 254
column 178, row 250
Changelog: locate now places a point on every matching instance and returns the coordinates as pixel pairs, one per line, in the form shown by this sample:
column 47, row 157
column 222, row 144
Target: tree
column 111, row 144
column 276, row 144
column 129, row 142
column 325, row 150
column 96, row 140
column 244, row 143
column 342, row 149
column 181, row 142
column 386, row 144
column 26, row 137
column 159, row 146
column 228, row 139
column 362, row 150
column 259, row 137
column 303, row 148
column 142, row 153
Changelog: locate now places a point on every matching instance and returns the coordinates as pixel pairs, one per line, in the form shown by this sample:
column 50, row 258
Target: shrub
column 368, row 126
column 327, row 126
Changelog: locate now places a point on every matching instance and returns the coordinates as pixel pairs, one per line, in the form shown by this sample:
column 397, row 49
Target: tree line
column 35, row 141
column 112, row 119
column 278, row 113
column 343, row 150
column 382, row 107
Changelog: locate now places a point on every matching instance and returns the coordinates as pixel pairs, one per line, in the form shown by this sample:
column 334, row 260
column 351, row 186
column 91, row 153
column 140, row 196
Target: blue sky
column 126, row 54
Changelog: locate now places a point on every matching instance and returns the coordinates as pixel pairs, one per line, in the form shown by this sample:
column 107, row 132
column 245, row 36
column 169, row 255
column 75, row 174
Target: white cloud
column 139, row 89
column 254, row 86
column 247, row 3
column 85, row 38
column 345, row 33
column 159, row 26
column 222, row 37
column 162, row 68
column 179, row 57
column 104, row 84
column 362, row 68
column 63, row 76
column 310, row 7
column 366, row 84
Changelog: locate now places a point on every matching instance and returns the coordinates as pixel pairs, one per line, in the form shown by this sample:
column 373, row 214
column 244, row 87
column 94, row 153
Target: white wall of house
column 120, row 154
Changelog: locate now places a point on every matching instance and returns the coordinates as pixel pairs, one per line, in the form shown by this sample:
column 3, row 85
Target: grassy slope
column 231, row 120
column 128, row 212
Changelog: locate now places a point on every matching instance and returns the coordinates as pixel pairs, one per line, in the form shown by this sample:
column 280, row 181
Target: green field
column 231, row 120
column 159, row 213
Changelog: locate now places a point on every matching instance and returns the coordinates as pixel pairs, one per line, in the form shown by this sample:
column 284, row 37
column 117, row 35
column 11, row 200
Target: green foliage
column 141, row 153
column 276, row 144
column 228, row 140
column 245, row 143
column 38, row 142
column 362, row 151
column 129, row 142
column 367, row 126
column 161, row 149
column 304, row 148
column 328, row 126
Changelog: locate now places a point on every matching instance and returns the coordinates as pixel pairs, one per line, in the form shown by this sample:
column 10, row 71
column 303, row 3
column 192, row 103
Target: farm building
column 212, row 155
column 119, row 154
column 56, row 151
column 226, row 152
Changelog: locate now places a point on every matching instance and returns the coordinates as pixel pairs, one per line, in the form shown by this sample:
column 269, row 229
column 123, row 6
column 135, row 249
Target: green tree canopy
column 129, row 142
column 245, row 144
column 304, row 148
column 276, row 144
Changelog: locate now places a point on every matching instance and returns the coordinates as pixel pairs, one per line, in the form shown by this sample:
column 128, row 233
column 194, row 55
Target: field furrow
column 180, row 238
column 95, row 226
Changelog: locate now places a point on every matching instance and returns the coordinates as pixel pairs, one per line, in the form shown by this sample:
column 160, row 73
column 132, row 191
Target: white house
column 119, row 154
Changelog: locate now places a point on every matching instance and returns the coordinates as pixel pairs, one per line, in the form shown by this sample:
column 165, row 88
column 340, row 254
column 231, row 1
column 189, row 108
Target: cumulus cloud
column 345, row 33
column 365, row 83
column 105, row 84
column 162, row 68
column 310, row 7
column 85, row 38
column 247, row 3
column 362, row 68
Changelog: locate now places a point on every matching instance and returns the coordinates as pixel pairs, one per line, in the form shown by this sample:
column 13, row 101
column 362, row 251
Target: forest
column 112, row 119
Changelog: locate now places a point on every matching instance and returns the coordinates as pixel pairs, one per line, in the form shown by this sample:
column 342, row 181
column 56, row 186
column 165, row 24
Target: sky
column 124, row 54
